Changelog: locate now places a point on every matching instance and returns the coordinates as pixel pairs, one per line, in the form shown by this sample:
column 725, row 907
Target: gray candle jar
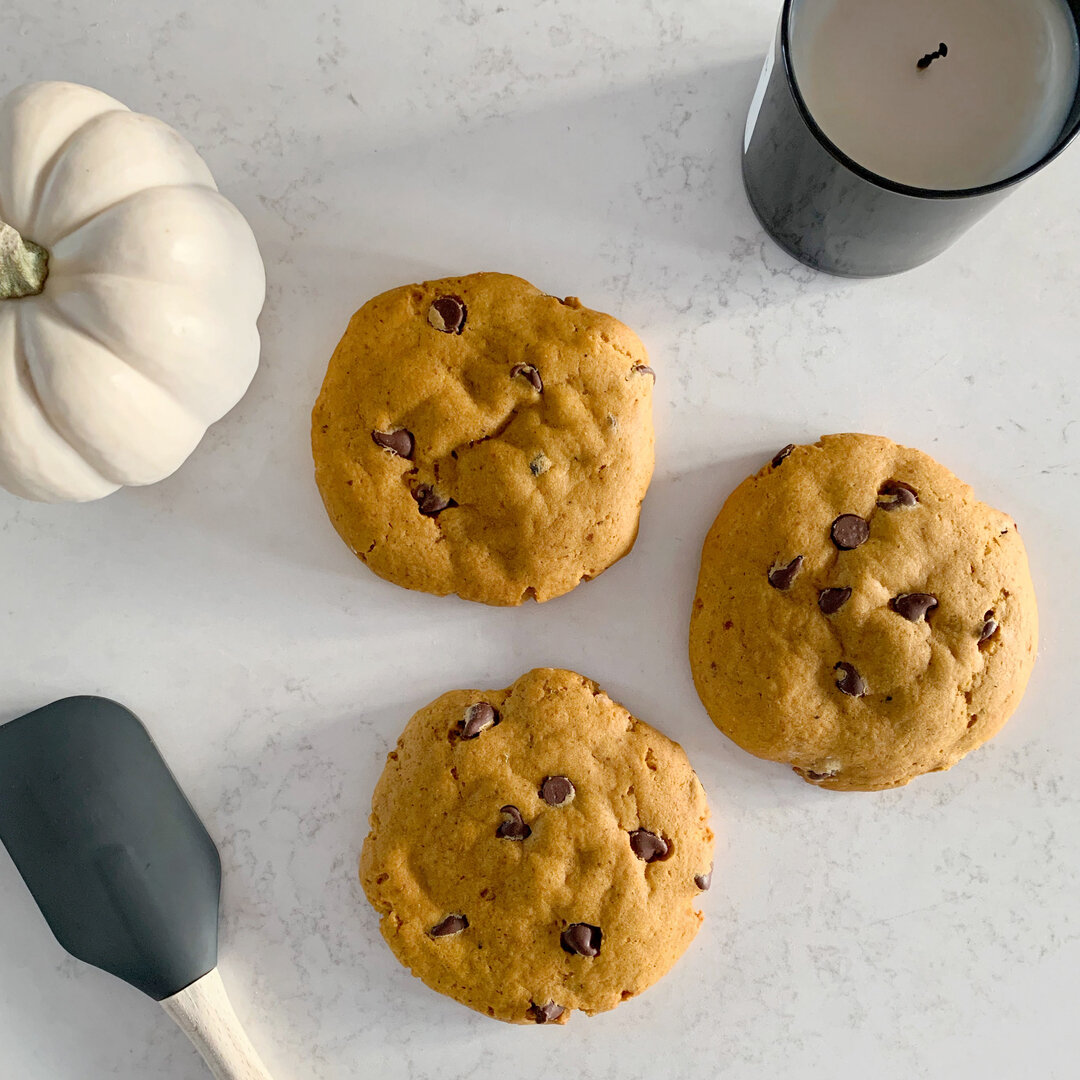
column 833, row 214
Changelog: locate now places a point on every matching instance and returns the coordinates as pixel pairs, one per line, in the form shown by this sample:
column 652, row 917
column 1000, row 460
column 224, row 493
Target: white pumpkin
column 129, row 290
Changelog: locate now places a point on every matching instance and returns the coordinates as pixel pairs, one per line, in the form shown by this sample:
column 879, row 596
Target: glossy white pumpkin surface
column 145, row 332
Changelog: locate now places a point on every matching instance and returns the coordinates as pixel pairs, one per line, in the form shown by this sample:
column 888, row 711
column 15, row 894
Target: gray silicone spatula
column 120, row 865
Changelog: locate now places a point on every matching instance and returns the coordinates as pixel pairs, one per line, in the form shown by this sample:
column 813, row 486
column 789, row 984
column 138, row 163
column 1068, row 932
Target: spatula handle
column 205, row 1015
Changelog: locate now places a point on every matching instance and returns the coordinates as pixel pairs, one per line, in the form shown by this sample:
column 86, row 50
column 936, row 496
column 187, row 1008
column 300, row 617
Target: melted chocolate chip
column 648, row 846
column 582, row 939
column 819, row 776
column 914, row 606
column 850, row 681
column 447, row 314
column 704, row 881
column 832, row 600
column 896, row 495
column 478, row 718
column 989, row 628
column 782, row 455
column 530, row 374
column 556, row 790
column 452, row 924
column 644, row 369
column 849, row 531
column 544, row 1014
column 398, row 442
column 514, row 827
column 783, row 577
column 430, row 502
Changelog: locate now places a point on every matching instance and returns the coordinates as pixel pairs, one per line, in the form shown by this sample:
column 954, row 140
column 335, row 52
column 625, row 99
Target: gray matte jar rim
column 1068, row 133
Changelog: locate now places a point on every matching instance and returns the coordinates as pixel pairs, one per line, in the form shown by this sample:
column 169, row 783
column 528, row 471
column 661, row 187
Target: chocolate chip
column 514, row 827
column 648, row 846
column 556, row 790
column 914, row 606
column 430, row 501
column 582, row 939
column 896, row 495
column 850, row 681
column 849, row 531
column 832, row 600
column 644, row 369
column 447, row 314
column 989, row 628
column 544, row 1014
column 452, row 924
column 528, row 372
column 782, row 455
column 398, row 442
column 783, row 577
column 478, row 718
column 819, row 776
column 704, row 881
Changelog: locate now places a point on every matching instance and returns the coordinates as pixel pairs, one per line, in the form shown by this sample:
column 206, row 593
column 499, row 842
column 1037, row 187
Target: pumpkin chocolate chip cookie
column 860, row 615
column 537, row 849
column 476, row 436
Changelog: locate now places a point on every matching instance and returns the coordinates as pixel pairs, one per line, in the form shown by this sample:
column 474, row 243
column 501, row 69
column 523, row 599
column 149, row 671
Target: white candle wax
column 993, row 105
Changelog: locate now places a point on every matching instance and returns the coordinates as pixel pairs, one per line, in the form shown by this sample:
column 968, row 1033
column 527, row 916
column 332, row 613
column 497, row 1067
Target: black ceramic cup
column 831, row 213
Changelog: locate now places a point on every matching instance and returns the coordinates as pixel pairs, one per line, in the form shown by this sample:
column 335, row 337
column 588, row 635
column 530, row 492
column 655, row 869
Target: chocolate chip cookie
column 537, row 849
column 860, row 615
column 476, row 436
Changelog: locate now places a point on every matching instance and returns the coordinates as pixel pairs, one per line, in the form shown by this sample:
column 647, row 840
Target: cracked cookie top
column 537, row 849
column 476, row 436
column 860, row 615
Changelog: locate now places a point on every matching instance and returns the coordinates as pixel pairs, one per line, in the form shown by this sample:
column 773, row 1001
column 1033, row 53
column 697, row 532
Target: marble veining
column 593, row 148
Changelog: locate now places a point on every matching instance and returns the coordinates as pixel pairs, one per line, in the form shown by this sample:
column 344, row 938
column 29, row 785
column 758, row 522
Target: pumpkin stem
column 24, row 265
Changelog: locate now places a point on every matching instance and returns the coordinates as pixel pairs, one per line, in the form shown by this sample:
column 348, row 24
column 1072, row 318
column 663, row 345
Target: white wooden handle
column 205, row 1015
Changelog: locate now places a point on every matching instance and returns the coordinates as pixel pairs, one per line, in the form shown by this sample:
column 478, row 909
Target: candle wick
column 929, row 58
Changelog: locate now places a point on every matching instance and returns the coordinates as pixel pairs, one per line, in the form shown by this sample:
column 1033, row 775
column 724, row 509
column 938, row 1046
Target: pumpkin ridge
column 22, row 368
column 127, row 198
column 56, row 314
column 144, row 122
column 75, row 300
column 104, row 447
column 46, row 171
column 59, row 260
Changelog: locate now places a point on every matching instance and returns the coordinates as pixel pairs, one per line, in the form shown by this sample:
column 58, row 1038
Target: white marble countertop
column 932, row 931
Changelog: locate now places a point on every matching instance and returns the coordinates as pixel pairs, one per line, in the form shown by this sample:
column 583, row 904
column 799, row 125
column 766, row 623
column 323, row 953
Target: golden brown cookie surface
column 476, row 436
column 536, row 850
column 860, row 615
